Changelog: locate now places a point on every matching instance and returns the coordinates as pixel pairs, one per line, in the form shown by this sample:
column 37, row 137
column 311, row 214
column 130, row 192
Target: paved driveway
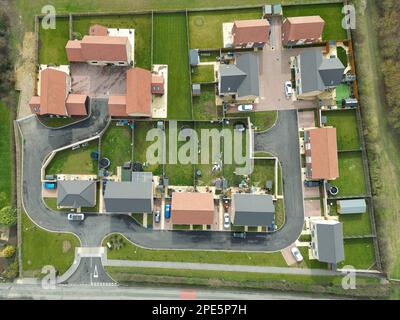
column 274, row 71
column 98, row 82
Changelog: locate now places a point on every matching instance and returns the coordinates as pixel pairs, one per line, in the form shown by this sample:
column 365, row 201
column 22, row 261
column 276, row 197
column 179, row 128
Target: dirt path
column 25, row 73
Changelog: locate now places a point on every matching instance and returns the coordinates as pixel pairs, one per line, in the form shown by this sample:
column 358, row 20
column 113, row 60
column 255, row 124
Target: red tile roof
column 138, row 95
column 98, row 30
column 324, row 155
column 245, row 31
column 76, row 105
column 98, row 48
column 53, row 92
column 299, row 28
column 192, row 208
column 157, row 84
column 117, row 106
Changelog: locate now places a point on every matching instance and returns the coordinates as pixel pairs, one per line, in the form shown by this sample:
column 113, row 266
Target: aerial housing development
column 226, row 138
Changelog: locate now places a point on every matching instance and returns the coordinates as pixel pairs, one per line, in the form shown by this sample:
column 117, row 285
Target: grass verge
column 5, row 154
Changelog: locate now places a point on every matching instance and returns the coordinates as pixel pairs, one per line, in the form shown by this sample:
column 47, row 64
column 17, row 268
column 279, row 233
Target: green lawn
column 331, row 13
column 116, row 145
column 345, row 122
column 141, row 23
column 5, row 154
column 205, row 27
column 342, row 55
column 204, row 107
column 138, row 217
column 279, row 213
column 132, row 252
column 52, row 43
column 353, row 224
column 74, row 161
column 202, row 74
column 207, row 176
column 261, row 121
column 141, row 146
column 358, row 253
column 342, row 92
column 351, row 181
column 170, row 47
column 263, row 170
column 179, row 174
column 41, row 248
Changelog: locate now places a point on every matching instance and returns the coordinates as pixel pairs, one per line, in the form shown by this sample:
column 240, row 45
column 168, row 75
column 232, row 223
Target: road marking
column 95, row 272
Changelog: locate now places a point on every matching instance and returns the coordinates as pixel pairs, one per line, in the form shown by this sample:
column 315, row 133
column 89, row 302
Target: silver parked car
column 296, row 254
column 76, row 216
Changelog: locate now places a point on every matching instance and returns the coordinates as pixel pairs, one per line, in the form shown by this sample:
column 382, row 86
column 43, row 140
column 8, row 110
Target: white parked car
column 76, row 216
column 288, row 89
column 245, row 107
column 227, row 221
column 296, row 254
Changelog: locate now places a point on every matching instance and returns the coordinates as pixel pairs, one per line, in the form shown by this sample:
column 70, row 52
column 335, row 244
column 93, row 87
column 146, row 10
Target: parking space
column 312, row 192
column 275, row 70
column 288, row 256
column 312, row 208
column 98, row 82
column 306, row 119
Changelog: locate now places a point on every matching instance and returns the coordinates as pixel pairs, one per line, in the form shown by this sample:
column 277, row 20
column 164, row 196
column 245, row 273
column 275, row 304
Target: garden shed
column 351, row 206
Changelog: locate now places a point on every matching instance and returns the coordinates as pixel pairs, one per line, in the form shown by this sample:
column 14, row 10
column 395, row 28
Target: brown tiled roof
column 104, row 48
column 324, row 156
column 76, row 105
column 98, row 30
column 245, row 31
column 117, row 106
column 138, row 95
column 157, row 84
column 74, row 51
column 298, row 28
column 53, row 92
column 192, row 208
column 98, row 48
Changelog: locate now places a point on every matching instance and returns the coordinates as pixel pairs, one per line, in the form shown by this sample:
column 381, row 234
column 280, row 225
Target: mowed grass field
column 351, row 181
column 170, row 47
column 205, row 27
column 141, row 23
column 330, row 12
column 52, row 43
column 345, row 122
column 5, row 153
column 41, row 248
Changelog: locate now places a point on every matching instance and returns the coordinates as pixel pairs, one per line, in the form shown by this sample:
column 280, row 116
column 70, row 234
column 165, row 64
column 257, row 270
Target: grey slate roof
column 134, row 196
column 231, row 78
column 253, row 209
column 242, row 77
column 194, row 57
column 330, row 242
column 248, row 63
column 76, row 194
column 352, row 206
column 317, row 73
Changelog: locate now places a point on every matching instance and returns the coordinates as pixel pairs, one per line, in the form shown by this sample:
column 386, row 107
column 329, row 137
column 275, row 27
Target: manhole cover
column 199, row 21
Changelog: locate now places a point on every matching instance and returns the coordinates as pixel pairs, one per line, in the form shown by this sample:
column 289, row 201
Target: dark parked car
column 240, row 235
column 311, row 184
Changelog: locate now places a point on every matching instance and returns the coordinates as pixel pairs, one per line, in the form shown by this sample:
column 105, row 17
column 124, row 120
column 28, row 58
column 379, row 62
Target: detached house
column 327, row 240
column 302, row 30
column 250, row 33
column 102, row 47
column 54, row 96
column 321, row 154
column 240, row 80
column 76, row 194
column 253, row 210
column 315, row 74
column 192, row 208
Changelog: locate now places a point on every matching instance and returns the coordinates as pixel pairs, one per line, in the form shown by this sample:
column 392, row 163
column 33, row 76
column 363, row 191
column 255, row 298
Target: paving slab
column 312, row 208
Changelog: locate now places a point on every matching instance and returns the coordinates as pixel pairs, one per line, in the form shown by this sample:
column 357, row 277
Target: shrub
column 8, row 251
column 8, row 216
